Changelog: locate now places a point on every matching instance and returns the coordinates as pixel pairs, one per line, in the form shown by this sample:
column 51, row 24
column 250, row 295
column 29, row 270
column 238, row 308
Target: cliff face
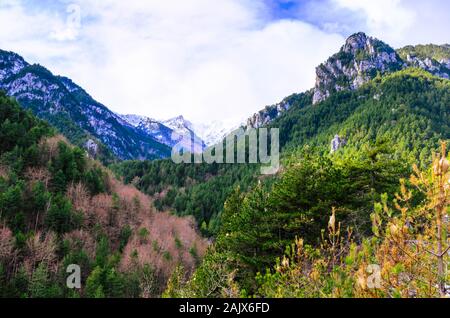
column 268, row 114
column 363, row 57
column 358, row 61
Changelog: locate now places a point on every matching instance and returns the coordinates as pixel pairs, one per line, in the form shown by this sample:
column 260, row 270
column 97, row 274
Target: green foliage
column 37, row 170
column 41, row 286
column 125, row 234
column 143, row 234
column 436, row 52
column 257, row 226
column 61, row 217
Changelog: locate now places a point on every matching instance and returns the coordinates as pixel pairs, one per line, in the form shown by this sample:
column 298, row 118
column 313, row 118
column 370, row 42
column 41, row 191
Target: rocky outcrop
column 268, row 114
column 92, row 148
column 363, row 57
column 10, row 64
column 434, row 59
column 358, row 61
column 337, row 143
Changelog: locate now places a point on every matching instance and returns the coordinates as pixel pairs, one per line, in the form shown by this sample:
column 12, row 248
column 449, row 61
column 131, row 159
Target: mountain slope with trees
column 65, row 105
column 268, row 228
column 57, row 208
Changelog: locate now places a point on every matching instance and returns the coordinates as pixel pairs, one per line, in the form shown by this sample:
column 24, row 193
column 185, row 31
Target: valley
column 84, row 185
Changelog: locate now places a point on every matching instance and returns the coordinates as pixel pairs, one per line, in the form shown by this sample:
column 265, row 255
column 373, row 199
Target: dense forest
column 58, row 208
column 273, row 235
column 406, row 111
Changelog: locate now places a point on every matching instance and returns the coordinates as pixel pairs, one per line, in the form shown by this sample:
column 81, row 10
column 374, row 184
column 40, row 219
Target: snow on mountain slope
column 70, row 109
column 172, row 132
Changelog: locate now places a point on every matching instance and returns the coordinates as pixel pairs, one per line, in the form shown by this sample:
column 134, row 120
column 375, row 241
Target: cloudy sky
column 205, row 59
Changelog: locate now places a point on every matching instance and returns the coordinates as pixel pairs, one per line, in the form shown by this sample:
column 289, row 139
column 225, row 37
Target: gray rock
column 337, row 143
column 358, row 61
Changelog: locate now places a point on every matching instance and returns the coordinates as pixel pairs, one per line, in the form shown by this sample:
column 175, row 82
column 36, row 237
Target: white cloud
column 403, row 22
column 207, row 60
column 200, row 58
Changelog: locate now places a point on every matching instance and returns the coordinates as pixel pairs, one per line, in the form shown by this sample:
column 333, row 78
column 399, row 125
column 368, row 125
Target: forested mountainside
column 379, row 196
column 312, row 230
column 57, row 208
column 329, row 219
column 66, row 106
column 407, row 109
column 361, row 59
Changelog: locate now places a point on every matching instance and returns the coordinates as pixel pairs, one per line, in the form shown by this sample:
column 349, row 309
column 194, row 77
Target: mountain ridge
column 74, row 112
column 359, row 60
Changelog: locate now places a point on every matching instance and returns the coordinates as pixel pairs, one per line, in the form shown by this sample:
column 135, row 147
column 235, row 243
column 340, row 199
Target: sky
column 209, row 60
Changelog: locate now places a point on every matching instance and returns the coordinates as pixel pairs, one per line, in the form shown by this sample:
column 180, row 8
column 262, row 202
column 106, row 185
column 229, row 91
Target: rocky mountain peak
column 359, row 60
column 357, row 41
column 66, row 106
column 10, row 64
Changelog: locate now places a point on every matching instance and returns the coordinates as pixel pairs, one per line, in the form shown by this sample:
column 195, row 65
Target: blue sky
column 205, row 59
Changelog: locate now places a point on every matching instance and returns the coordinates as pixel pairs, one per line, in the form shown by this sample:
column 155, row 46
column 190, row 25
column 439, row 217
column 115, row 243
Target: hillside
column 361, row 59
column 433, row 58
column 65, row 105
column 57, row 208
column 391, row 118
column 408, row 108
column 363, row 181
column 314, row 229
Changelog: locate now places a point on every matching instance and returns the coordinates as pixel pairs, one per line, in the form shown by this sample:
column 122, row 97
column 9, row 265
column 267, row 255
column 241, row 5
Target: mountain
column 432, row 58
column 359, row 60
column 151, row 127
column 59, row 207
column 183, row 127
column 176, row 131
column 65, row 105
column 362, row 58
column 214, row 131
column 405, row 105
column 202, row 134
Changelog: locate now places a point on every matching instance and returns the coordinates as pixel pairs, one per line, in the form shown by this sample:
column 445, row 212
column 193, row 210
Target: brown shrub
column 34, row 175
column 163, row 229
column 81, row 239
column 48, row 147
column 6, row 243
column 4, row 172
column 100, row 207
column 78, row 194
column 41, row 248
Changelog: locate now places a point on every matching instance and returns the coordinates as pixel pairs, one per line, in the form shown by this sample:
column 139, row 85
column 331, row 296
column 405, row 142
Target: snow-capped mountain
column 69, row 108
column 215, row 131
column 151, row 127
column 210, row 133
column 180, row 125
column 203, row 135
column 175, row 131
